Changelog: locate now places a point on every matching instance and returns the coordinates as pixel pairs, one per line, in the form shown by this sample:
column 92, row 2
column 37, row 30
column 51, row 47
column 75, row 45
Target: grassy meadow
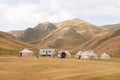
column 46, row 68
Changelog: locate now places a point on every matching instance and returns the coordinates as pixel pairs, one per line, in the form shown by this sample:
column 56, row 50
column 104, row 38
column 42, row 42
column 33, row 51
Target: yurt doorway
column 63, row 55
column 20, row 54
column 79, row 57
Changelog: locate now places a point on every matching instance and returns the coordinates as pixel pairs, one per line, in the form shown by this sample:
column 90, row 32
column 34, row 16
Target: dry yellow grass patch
column 45, row 68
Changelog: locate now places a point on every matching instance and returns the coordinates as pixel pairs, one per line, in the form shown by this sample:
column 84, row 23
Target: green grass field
column 46, row 68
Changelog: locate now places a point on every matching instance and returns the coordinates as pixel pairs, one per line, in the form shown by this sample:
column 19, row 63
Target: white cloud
column 29, row 14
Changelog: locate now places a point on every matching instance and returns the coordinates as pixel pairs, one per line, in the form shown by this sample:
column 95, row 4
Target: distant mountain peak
column 77, row 19
column 47, row 22
column 45, row 26
column 111, row 27
column 38, row 32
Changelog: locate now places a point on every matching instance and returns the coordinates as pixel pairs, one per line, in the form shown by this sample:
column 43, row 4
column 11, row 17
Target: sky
column 21, row 14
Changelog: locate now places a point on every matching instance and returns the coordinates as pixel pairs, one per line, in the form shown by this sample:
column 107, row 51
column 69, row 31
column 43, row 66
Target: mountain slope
column 108, row 43
column 61, row 38
column 9, row 45
column 36, row 33
column 70, row 34
column 112, row 27
column 16, row 33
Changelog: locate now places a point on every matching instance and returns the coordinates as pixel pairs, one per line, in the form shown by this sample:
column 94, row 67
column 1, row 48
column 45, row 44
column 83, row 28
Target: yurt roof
column 89, row 52
column 104, row 54
column 67, row 52
column 26, row 50
column 93, row 53
column 80, row 52
column 85, row 53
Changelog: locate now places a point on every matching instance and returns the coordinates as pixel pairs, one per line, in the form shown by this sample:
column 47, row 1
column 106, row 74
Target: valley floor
column 46, row 68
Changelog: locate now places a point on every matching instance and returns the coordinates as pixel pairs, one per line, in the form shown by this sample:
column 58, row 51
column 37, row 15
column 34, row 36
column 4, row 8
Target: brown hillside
column 9, row 45
column 108, row 43
column 62, row 38
column 36, row 33
column 111, row 27
column 16, row 33
column 70, row 34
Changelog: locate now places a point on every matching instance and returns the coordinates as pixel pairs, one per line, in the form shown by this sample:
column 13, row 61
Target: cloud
column 19, row 14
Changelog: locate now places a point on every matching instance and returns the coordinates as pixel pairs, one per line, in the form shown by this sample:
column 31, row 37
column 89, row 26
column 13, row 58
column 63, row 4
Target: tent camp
column 104, row 56
column 89, row 55
column 25, row 52
column 78, row 55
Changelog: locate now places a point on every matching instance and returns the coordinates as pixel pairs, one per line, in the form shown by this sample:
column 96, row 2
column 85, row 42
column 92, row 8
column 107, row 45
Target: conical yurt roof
column 26, row 50
column 79, row 53
column 85, row 53
column 104, row 54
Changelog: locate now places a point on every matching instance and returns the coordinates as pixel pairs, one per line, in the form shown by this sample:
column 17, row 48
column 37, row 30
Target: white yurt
column 85, row 55
column 26, row 52
column 59, row 55
column 68, row 55
column 78, row 55
column 105, row 56
column 89, row 55
column 93, row 55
